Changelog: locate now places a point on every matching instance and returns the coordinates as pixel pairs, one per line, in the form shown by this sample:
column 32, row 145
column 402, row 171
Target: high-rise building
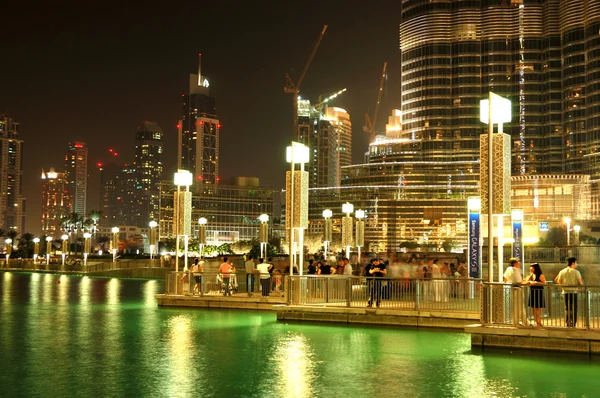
column 328, row 135
column 148, row 168
column 544, row 55
column 129, row 206
column 109, row 194
column 198, row 133
column 76, row 174
column 12, row 202
column 55, row 202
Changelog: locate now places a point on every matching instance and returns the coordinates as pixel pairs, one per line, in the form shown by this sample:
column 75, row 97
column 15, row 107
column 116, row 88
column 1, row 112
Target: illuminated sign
column 474, row 249
column 544, row 226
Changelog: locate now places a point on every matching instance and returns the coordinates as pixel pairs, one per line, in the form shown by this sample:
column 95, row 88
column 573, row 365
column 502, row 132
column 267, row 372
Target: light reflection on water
column 106, row 337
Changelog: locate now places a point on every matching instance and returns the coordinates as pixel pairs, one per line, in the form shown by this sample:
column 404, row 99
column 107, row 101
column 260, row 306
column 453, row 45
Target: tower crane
column 318, row 105
column 294, row 88
column 370, row 126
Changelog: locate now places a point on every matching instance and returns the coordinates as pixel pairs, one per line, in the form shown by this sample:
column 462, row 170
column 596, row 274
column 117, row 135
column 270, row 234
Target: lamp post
column 576, row 229
column 8, row 249
column 183, row 214
column 359, row 240
column 49, row 240
column 264, row 234
column 36, row 249
column 65, row 247
column 347, row 208
column 296, row 203
column 327, row 213
column 202, row 233
column 567, row 221
column 152, row 243
column 115, row 245
column 87, row 247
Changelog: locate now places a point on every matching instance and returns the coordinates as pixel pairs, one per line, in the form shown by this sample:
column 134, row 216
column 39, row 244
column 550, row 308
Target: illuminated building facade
column 109, row 194
column 328, row 135
column 129, row 206
column 12, row 202
column 56, row 202
column 76, row 174
column 148, row 168
column 232, row 212
column 198, row 133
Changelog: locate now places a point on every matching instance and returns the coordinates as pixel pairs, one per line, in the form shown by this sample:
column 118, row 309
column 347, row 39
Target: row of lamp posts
column 347, row 229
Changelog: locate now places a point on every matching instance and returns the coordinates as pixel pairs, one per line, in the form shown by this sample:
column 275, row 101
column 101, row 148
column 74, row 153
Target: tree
column 25, row 246
column 103, row 240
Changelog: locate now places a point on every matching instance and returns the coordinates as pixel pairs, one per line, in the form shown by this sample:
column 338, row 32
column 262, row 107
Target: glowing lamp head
column 115, row 230
column 347, row 208
column 474, row 203
column 576, row 228
column 153, row 224
column 567, row 220
column 501, row 110
column 183, row 178
column 359, row 214
column 263, row 217
column 517, row 214
column 297, row 153
column 65, row 237
column 36, row 240
column 8, row 241
column 87, row 235
column 202, row 221
column 48, row 239
column 327, row 213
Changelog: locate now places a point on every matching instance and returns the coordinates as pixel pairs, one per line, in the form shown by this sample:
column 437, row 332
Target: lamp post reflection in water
column 8, row 249
column 49, row 240
column 36, row 249
column 87, row 246
column 65, row 246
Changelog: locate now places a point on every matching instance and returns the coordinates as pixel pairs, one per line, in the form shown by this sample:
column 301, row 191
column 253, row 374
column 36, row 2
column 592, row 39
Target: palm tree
column 95, row 216
column 102, row 240
column 26, row 245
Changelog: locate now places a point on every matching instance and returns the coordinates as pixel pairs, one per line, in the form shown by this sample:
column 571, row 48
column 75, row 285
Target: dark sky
column 71, row 72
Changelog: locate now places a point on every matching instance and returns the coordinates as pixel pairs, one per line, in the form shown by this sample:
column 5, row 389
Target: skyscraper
column 12, row 203
column 198, row 132
column 129, row 206
column 148, row 168
column 55, row 201
column 76, row 174
column 328, row 135
column 109, row 203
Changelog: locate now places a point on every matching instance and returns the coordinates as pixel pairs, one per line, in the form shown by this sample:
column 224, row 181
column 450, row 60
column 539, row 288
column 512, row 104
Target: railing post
column 326, row 293
column 349, row 292
column 588, row 308
column 290, row 289
column 417, row 294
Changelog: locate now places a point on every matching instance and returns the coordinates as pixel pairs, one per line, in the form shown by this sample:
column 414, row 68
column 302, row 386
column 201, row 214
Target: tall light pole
column 8, row 249
column 87, row 247
column 567, row 221
column 296, row 202
column 576, row 229
column 202, row 221
column 359, row 240
column 264, row 234
column 65, row 247
column 49, row 240
column 183, row 214
column 115, row 245
column 347, row 227
column 152, row 243
column 327, row 228
column 36, row 249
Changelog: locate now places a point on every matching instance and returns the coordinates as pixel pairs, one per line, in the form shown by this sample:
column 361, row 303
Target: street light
column 36, row 249
column 327, row 213
column 264, row 234
column 153, row 225
column 296, row 201
column 49, row 240
column 347, row 208
column 183, row 214
column 115, row 245
column 65, row 246
column 360, row 231
column 202, row 233
column 567, row 221
column 87, row 246
column 576, row 228
column 8, row 249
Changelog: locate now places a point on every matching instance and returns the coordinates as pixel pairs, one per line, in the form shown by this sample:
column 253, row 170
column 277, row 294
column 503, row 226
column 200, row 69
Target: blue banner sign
column 517, row 246
column 474, row 251
column 544, row 226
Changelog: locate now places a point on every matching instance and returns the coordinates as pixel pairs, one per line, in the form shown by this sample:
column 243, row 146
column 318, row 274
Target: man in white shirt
column 347, row 267
column 570, row 276
column 513, row 272
column 513, row 276
column 265, row 276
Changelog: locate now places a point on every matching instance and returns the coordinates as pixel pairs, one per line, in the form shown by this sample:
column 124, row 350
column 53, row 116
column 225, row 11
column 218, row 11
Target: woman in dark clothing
column 536, row 281
column 312, row 269
column 325, row 269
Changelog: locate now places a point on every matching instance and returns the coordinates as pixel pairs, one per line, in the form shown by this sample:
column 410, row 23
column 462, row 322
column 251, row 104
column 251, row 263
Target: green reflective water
column 106, row 337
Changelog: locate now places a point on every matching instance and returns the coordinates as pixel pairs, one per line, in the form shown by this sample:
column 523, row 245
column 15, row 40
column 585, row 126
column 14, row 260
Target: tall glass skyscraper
column 148, row 167
column 12, row 203
column 76, row 174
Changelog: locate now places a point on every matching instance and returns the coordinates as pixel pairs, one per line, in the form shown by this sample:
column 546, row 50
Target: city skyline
column 98, row 82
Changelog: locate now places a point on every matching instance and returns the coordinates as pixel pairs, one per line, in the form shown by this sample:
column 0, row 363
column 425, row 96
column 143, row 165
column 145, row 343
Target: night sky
column 72, row 72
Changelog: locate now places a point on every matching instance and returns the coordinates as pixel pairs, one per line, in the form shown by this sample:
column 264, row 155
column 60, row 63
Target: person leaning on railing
column 513, row 276
column 375, row 270
column 265, row 277
column 569, row 276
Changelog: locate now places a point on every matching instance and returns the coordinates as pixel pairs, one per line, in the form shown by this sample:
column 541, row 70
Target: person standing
column 513, row 276
column 250, row 270
column 569, row 276
column 265, row 276
column 536, row 280
column 225, row 270
column 347, row 267
column 375, row 270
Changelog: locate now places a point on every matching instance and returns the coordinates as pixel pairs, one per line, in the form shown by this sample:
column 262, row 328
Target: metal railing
column 548, row 306
column 452, row 294
column 213, row 283
column 584, row 254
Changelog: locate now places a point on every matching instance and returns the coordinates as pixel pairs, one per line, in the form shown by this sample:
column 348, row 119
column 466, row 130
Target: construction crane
column 318, row 105
column 370, row 126
column 294, row 88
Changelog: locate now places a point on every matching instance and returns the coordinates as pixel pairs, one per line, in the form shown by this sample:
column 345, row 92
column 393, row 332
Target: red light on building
column 218, row 179
column 110, row 150
column 200, row 177
column 99, row 164
column 201, row 123
column 219, row 126
column 116, row 154
column 78, row 145
column 178, row 125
